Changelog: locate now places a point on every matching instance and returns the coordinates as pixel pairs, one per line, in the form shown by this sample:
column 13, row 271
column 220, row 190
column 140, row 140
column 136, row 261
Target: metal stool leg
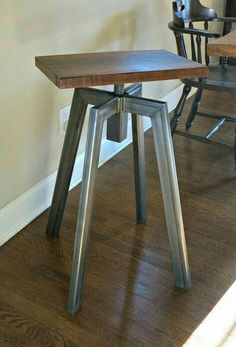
column 139, row 158
column 139, row 168
column 82, row 97
column 171, row 199
column 71, row 142
column 157, row 111
column 86, row 201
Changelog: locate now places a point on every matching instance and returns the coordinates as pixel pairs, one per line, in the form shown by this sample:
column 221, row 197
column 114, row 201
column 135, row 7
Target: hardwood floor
column 129, row 297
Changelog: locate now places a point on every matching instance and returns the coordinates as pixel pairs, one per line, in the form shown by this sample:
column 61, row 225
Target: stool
column 80, row 71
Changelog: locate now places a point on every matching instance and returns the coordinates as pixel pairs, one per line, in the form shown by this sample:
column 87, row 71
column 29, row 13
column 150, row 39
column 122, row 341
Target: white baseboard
column 20, row 212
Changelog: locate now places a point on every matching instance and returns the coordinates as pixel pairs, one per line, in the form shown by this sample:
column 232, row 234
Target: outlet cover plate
column 64, row 116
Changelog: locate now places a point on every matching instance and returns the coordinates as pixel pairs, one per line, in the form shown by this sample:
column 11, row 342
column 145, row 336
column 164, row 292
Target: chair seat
column 218, row 78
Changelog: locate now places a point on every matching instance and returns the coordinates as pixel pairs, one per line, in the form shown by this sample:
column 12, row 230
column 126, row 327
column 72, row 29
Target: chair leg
column 71, row 142
column 139, row 168
column 194, row 108
column 170, row 191
column 92, row 150
column 179, row 108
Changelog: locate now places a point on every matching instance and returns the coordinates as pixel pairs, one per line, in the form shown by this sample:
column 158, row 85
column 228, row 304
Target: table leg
column 93, row 144
column 71, row 142
column 139, row 168
column 157, row 111
column 171, row 198
column 139, row 157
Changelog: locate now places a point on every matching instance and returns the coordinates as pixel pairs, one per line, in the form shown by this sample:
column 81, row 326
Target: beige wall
column 30, row 143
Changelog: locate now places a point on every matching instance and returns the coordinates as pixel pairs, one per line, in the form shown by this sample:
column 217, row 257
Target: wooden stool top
column 95, row 69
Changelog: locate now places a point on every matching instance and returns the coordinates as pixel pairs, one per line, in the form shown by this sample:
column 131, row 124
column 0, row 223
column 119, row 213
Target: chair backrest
column 193, row 11
column 185, row 13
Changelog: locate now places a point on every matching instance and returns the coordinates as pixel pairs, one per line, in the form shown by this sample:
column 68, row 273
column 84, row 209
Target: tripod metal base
column 108, row 105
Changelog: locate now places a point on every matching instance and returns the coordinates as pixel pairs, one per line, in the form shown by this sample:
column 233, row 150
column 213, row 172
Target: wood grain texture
column 224, row 46
column 129, row 299
column 93, row 69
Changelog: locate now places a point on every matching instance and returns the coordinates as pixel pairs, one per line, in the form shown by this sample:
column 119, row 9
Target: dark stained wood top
column 225, row 46
column 94, row 69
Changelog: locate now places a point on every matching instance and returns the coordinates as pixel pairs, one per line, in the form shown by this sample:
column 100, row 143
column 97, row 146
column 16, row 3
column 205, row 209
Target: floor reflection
column 218, row 329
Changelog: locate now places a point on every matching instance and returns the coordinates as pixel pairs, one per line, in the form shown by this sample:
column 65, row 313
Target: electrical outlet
column 64, row 116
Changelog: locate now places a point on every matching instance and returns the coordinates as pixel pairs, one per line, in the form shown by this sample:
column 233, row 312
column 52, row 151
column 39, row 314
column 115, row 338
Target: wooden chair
column 222, row 76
